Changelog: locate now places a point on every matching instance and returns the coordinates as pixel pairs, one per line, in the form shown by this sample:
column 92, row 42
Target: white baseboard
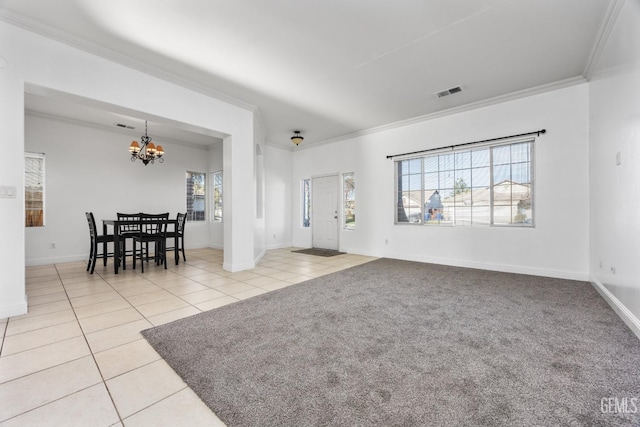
column 238, row 267
column 14, row 310
column 353, row 251
column 279, row 246
column 85, row 257
column 505, row 268
column 621, row 310
column 259, row 257
column 55, row 260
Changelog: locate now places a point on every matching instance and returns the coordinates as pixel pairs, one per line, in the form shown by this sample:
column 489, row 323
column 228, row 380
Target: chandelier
column 148, row 153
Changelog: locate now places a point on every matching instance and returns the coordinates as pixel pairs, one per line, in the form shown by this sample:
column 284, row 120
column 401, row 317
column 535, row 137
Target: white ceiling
column 332, row 68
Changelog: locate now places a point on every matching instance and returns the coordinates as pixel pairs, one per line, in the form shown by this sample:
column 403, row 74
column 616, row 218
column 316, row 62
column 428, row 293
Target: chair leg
column 104, row 253
column 94, row 257
column 163, row 253
column 123, row 252
column 142, row 256
column 159, row 253
column 135, row 254
column 184, row 257
column 90, row 257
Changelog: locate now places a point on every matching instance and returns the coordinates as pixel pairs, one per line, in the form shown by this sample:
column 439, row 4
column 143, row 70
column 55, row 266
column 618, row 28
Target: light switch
column 7, row 192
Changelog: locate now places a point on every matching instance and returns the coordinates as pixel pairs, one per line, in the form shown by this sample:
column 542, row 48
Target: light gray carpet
column 396, row 343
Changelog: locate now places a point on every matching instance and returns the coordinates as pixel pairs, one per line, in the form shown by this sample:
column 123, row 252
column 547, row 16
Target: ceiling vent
column 120, row 125
column 449, row 91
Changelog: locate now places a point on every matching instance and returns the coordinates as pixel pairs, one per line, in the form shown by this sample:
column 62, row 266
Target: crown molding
column 561, row 84
column 120, row 58
column 113, row 129
column 606, row 27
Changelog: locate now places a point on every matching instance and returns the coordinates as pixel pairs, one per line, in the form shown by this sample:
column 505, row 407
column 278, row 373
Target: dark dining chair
column 178, row 238
column 97, row 241
column 127, row 231
column 153, row 229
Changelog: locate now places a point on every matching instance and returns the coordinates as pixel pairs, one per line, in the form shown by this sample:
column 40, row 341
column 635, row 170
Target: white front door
column 324, row 212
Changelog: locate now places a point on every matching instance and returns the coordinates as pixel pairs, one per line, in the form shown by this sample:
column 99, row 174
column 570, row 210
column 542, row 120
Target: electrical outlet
column 613, row 270
column 53, row 246
column 386, row 241
column 7, row 192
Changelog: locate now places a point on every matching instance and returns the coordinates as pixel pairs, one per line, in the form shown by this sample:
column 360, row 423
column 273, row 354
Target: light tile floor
column 78, row 358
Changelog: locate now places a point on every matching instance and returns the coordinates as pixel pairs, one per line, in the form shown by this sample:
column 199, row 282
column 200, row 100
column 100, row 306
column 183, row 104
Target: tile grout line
column 201, row 267
column 42, row 370
column 162, row 400
column 4, row 336
column 93, row 356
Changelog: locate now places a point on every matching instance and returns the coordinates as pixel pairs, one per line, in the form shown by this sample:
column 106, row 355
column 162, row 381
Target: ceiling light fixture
column 297, row 138
column 148, row 153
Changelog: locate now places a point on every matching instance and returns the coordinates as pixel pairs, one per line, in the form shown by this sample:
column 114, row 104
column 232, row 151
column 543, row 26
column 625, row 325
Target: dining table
column 116, row 224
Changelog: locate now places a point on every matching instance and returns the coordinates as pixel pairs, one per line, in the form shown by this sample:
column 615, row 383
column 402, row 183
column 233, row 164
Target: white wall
column 12, row 290
column 35, row 61
column 88, row 169
column 278, row 192
column 557, row 246
column 615, row 197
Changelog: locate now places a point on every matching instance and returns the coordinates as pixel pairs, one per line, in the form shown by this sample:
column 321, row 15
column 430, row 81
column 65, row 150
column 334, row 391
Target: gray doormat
column 396, row 343
column 318, row 252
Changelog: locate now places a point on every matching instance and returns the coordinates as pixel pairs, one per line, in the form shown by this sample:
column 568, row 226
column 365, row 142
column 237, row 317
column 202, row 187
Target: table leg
column 116, row 245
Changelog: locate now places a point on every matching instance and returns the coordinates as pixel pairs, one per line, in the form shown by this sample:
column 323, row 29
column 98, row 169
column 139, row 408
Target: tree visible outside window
column 306, row 203
column 491, row 185
column 34, row 189
column 196, row 191
column 216, row 202
column 349, row 200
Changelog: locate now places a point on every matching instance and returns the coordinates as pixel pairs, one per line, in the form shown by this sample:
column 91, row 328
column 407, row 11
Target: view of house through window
column 349, row 200
column 490, row 185
column 216, row 199
column 306, row 203
column 196, row 191
column 34, row 189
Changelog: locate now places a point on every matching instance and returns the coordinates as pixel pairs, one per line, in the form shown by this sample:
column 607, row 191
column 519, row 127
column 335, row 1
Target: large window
column 34, row 189
column 305, row 186
column 216, row 196
column 490, row 185
column 349, row 200
column 196, row 191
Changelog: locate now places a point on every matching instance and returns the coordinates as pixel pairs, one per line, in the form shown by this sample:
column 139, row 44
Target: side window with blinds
column 196, row 191
column 216, row 196
column 34, row 189
column 305, row 188
column 349, row 200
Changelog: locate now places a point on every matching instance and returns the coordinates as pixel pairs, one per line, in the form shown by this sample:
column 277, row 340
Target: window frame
column 490, row 188
column 191, row 214
column 305, row 205
column 345, row 201
column 212, row 208
column 42, row 176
